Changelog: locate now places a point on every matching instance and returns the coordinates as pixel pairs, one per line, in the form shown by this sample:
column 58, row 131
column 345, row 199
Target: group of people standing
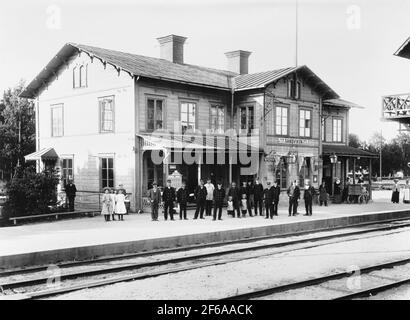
column 403, row 190
column 241, row 201
column 113, row 203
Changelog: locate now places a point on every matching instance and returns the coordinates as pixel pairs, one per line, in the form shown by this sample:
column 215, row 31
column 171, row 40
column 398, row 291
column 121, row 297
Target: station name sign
column 294, row 141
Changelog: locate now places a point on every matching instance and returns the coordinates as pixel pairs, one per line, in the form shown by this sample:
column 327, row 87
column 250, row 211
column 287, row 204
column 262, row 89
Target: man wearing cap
column 294, row 196
column 200, row 197
column 268, row 196
column 168, row 197
column 258, row 197
column 70, row 191
column 308, row 195
column 219, row 196
column 154, row 196
column 275, row 196
column 182, row 199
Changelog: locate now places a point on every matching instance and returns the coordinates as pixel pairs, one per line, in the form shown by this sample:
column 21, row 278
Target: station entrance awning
column 45, row 154
column 346, row 151
column 209, row 143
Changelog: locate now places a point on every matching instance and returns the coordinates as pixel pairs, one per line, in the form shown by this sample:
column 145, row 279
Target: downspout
column 320, row 159
column 232, row 127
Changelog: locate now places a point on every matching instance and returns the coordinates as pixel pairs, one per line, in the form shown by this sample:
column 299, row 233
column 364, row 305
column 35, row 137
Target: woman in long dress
column 120, row 208
column 395, row 197
column 106, row 204
column 406, row 192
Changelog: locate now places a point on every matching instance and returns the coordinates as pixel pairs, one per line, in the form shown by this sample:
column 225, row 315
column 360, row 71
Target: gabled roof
column 404, row 50
column 262, row 79
column 155, row 68
column 135, row 65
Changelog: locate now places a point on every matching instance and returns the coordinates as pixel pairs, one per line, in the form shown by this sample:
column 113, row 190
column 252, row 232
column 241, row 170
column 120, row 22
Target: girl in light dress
column 112, row 205
column 230, row 207
column 406, row 192
column 106, row 204
column 244, row 205
column 120, row 208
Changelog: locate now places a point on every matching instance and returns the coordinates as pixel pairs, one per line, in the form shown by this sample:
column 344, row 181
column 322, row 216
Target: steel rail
column 70, row 264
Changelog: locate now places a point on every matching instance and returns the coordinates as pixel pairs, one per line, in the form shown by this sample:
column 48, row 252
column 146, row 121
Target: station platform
column 83, row 238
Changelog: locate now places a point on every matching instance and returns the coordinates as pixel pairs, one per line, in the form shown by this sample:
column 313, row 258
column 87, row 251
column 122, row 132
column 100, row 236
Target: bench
column 55, row 214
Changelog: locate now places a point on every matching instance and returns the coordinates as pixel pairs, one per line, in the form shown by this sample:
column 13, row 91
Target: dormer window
column 80, row 76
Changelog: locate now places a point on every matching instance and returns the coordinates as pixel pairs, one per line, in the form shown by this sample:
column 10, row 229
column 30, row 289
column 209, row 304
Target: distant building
column 97, row 110
column 396, row 107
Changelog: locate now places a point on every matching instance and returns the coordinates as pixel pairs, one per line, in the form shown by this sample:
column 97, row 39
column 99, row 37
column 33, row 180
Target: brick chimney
column 172, row 48
column 238, row 61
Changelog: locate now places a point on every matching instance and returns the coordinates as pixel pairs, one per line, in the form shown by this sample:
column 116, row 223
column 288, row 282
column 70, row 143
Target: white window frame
column 247, row 129
column 101, row 114
column 281, row 121
column 64, row 176
column 187, row 121
column 219, row 127
column 155, row 99
column 337, row 130
column 102, row 159
column 304, row 130
column 60, row 132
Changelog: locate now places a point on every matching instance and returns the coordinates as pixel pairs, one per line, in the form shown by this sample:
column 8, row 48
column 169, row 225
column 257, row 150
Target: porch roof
column 346, row 151
column 198, row 142
column 43, row 154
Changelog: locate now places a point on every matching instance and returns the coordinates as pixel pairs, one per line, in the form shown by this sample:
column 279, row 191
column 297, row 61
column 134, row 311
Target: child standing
column 230, row 208
column 112, row 204
column 244, row 204
column 120, row 205
column 106, row 204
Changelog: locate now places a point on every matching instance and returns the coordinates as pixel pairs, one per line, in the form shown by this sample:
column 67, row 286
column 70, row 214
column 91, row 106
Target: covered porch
column 339, row 160
column 194, row 158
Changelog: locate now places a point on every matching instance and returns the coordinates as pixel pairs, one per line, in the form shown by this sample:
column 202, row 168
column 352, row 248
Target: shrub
column 31, row 193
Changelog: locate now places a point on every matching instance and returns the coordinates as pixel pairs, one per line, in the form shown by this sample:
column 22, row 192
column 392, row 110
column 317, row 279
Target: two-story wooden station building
column 99, row 112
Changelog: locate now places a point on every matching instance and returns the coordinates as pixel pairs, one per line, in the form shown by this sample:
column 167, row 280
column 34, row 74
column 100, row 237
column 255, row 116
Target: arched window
column 75, row 82
column 83, row 76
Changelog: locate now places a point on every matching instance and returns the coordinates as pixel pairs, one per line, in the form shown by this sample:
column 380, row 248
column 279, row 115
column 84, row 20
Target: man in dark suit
column 276, row 195
column 154, row 195
column 219, row 196
column 168, row 197
column 200, row 196
column 258, row 197
column 294, row 196
column 182, row 199
column 250, row 193
column 70, row 191
column 308, row 195
column 268, row 197
column 234, row 193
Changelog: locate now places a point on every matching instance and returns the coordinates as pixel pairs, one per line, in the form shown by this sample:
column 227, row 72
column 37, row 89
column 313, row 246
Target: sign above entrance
column 293, row 141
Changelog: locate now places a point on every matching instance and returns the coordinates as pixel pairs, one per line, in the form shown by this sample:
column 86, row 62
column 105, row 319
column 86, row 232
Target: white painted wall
column 82, row 138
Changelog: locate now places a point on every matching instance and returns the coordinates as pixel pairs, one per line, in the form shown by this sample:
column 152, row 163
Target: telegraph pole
column 296, row 32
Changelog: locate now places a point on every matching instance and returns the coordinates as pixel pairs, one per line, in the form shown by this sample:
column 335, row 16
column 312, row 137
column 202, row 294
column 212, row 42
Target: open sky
column 348, row 43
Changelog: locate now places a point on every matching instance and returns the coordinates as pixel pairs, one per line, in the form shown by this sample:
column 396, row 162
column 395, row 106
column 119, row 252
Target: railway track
column 38, row 283
column 384, row 225
column 335, row 286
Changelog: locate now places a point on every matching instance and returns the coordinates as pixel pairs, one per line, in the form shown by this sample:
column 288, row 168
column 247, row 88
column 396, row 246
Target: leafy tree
column 31, row 193
column 354, row 141
column 14, row 110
